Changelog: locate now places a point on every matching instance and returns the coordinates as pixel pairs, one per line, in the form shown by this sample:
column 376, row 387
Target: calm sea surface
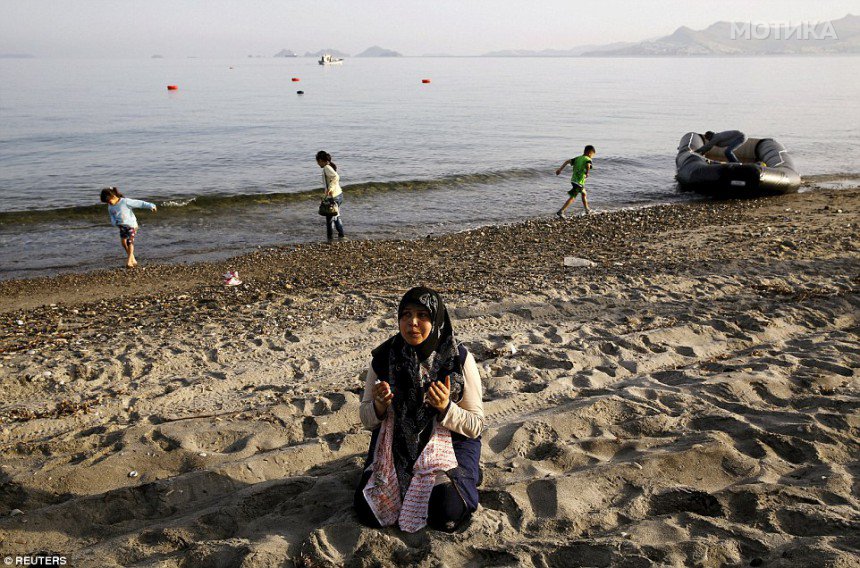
column 229, row 156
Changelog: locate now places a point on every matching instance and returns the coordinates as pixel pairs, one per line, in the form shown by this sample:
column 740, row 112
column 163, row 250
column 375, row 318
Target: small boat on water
column 765, row 168
column 329, row 59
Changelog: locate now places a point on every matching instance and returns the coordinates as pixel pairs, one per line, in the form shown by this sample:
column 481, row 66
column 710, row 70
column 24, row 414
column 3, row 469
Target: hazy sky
column 236, row 28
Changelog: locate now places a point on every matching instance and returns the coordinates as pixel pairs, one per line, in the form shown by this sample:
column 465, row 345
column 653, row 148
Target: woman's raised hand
column 382, row 396
column 438, row 395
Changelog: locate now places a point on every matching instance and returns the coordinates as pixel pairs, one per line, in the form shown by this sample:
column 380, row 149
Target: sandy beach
column 690, row 399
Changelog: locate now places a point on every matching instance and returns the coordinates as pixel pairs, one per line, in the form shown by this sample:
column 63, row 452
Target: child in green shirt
column 581, row 166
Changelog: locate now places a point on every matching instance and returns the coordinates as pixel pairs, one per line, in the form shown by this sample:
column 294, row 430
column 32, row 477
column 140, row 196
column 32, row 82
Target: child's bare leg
column 129, row 248
column 129, row 251
column 585, row 202
column 566, row 204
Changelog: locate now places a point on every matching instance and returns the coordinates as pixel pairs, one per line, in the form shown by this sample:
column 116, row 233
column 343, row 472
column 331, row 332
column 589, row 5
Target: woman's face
column 415, row 324
column 321, row 163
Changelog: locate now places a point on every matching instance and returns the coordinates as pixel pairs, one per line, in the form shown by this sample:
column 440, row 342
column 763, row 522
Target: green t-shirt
column 580, row 168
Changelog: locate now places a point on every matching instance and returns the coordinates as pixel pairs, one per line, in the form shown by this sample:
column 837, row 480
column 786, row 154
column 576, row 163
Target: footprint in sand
column 543, row 497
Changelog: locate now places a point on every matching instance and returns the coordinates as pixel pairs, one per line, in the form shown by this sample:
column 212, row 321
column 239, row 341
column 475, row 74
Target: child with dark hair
column 122, row 217
column 331, row 179
column 581, row 166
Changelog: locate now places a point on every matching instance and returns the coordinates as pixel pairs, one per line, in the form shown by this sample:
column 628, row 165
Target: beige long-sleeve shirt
column 465, row 417
column 332, row 181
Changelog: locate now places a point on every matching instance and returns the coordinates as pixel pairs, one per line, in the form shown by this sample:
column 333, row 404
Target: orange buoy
column 296, row 79
column 172, row 87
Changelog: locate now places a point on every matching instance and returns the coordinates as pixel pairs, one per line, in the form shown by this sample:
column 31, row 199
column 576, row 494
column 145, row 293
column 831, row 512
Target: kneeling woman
column 422, row 399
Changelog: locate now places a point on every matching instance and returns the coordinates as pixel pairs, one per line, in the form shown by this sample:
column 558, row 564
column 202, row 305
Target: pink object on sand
column 231, row 278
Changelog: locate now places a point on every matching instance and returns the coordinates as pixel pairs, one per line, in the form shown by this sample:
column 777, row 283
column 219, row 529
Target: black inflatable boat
column 765, row 168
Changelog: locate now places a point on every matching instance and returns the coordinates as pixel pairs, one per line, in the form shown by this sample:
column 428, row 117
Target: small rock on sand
column 573, row 261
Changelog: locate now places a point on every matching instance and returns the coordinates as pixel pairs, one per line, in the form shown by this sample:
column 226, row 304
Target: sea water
column 229, row 156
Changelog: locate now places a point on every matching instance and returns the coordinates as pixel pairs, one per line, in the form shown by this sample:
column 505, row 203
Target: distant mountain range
column 726, row 38
column 374, row 51
column 377, row 51
column 832, row 37
column 332, row 52
column 743, row 38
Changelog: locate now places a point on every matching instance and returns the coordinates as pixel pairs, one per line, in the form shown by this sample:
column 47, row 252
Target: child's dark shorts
column 127, row 233
column 575, row 189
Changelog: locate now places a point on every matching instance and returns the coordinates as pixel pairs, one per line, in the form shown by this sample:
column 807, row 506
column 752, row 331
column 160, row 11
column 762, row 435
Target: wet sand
column 689, row 400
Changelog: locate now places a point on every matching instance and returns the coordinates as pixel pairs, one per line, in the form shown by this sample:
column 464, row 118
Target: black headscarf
column 413, row 418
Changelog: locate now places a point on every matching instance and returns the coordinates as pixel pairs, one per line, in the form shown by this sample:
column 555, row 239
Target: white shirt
column 465, row 417
column 332, row 181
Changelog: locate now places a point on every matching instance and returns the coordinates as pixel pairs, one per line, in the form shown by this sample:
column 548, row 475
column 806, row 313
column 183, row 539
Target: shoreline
column 89, row 265
column 690, row 398
column 17, row 293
